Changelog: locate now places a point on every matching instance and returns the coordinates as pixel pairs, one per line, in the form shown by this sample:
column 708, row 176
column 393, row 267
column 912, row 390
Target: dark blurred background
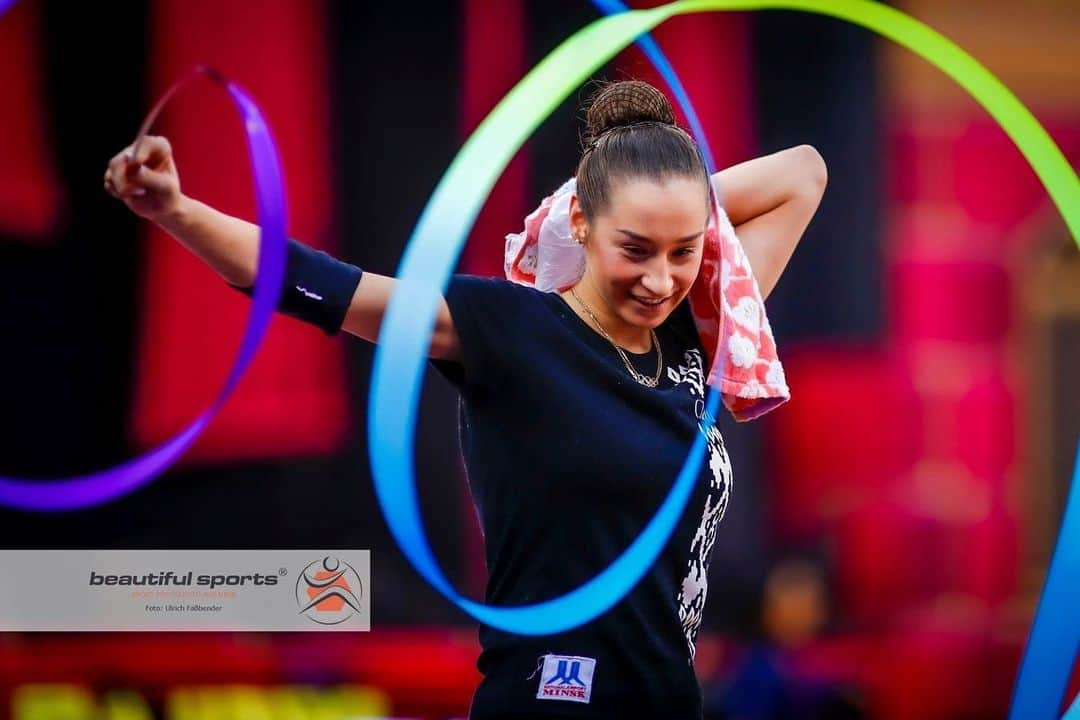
column 890, row 526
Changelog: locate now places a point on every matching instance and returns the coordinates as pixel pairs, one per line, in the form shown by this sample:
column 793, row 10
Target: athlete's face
column 643, row 250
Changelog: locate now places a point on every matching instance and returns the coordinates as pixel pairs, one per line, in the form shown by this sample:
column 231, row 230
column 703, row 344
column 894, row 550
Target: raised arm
column 770, row 201
column 149, row 185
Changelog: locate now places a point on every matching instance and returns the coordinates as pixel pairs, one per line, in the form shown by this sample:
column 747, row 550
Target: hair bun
column 625, row 103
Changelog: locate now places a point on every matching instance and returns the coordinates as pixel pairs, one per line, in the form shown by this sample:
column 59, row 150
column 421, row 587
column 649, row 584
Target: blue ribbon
column 429, row 259
column 1055, row 631
column 1073, row 713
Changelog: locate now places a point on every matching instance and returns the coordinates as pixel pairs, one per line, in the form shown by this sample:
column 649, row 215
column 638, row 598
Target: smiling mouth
column 651, row 303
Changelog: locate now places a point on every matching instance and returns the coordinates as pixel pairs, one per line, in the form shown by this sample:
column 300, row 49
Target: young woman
column 578, row 407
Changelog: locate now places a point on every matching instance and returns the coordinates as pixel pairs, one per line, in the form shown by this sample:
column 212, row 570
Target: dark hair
column 632, row 133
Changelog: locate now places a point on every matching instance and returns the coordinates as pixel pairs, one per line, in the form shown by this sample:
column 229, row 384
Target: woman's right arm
column 149, row 185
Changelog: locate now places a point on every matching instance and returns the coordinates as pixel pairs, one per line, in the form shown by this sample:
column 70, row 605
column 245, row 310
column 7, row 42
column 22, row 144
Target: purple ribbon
column 74, row 493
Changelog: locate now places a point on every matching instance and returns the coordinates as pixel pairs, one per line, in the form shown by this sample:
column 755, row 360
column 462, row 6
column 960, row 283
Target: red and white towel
column 724, row 300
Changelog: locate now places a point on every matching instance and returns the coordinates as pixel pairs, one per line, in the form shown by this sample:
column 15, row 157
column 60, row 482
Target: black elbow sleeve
column 317, row 287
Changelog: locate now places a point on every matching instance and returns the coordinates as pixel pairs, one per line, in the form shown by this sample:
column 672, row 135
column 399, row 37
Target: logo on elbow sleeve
column 566, row 677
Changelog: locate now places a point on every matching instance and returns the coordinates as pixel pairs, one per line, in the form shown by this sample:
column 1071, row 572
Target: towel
column 725, row 300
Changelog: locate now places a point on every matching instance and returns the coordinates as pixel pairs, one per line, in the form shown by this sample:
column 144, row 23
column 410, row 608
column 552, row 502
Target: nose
column 658, row 279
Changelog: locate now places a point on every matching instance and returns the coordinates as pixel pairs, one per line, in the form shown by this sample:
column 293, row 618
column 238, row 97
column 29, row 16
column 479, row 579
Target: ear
column 579, row 225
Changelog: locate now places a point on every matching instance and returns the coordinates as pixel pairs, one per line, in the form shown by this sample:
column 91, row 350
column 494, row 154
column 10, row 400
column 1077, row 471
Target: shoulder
column 486, row 309
column 495, row 321
column 491, row 284
column 490, row 295
column 481, row 284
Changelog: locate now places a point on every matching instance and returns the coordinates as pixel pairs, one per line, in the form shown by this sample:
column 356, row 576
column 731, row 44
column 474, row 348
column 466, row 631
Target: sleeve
column 317, row 289
column 487, row 315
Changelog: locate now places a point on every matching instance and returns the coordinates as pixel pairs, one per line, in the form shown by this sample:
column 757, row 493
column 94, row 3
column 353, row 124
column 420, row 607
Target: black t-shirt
column 567, row 459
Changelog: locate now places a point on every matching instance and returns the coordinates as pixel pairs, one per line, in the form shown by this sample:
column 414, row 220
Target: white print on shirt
column 695, row 585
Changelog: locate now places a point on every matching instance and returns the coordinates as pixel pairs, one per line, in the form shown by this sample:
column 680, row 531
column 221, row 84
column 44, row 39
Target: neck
column 633, row 338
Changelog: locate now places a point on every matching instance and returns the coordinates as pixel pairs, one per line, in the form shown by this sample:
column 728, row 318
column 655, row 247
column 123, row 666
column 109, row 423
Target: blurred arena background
column 890, row 527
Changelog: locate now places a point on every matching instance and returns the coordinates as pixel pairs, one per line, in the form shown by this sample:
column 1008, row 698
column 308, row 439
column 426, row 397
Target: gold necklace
column 643, row 379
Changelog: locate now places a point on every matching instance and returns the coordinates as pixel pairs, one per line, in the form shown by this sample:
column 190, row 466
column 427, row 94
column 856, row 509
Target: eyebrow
column 634, row 236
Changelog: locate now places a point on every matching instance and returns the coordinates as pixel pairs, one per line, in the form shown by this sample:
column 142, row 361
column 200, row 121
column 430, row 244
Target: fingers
column 122, row 176
column 120, row 185
column 146, row 179
column 154, row 151
column 143, row 167
column 116, row 175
